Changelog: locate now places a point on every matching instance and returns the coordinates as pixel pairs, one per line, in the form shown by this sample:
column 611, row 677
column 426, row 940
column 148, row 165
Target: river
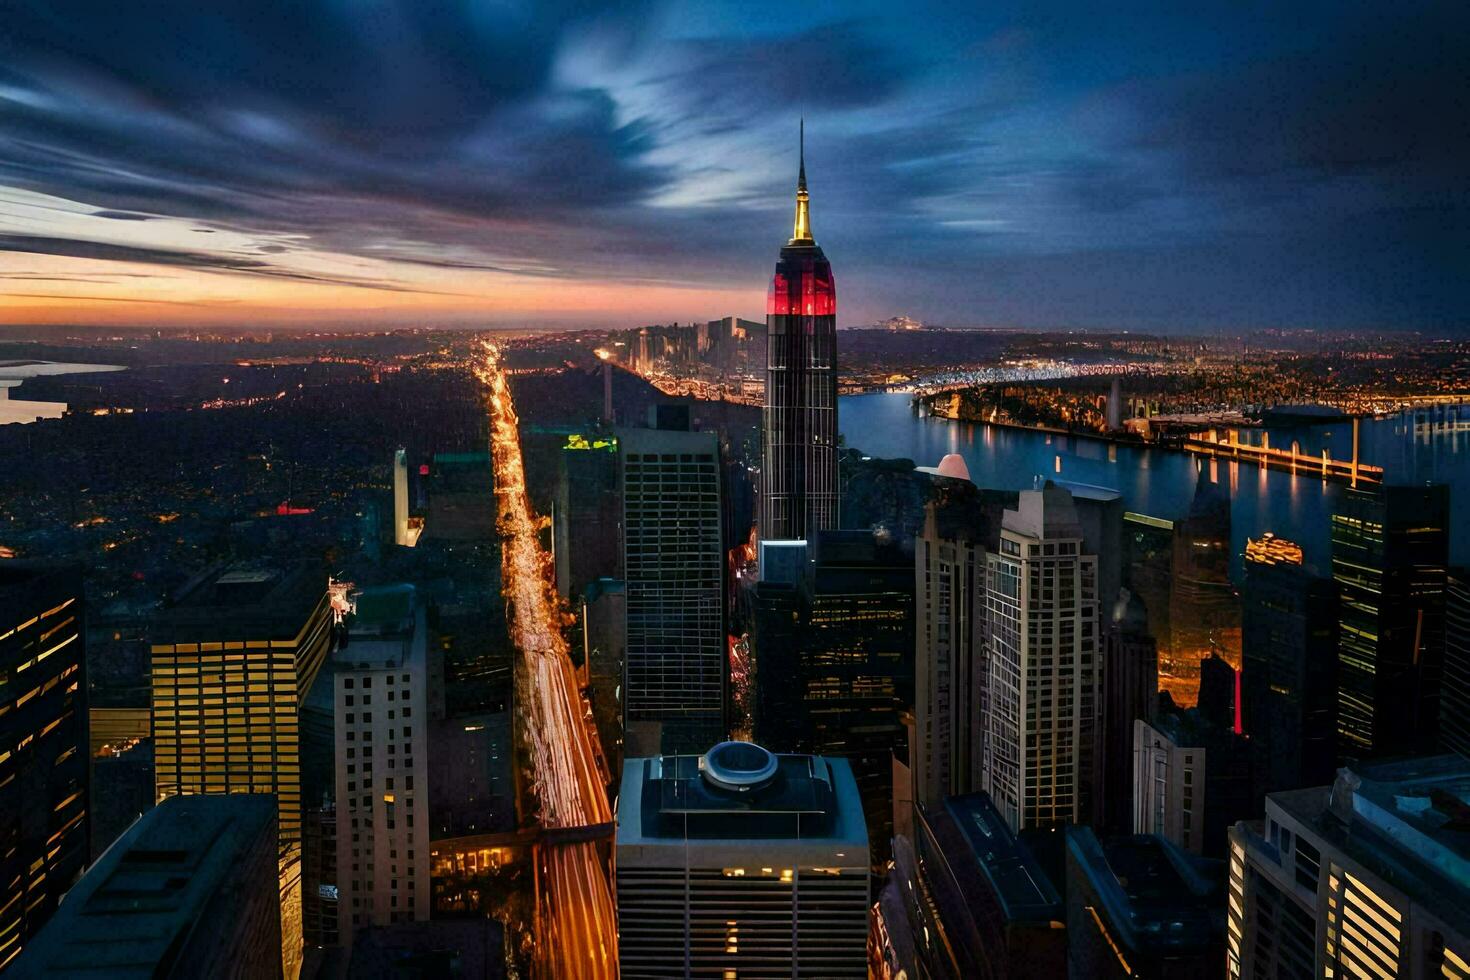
column 1161, row 482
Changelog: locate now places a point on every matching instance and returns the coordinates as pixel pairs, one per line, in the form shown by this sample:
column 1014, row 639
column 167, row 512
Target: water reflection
column 1162, row 483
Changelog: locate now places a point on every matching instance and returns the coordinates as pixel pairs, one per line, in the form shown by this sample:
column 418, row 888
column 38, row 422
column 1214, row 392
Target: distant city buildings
column 234, row 658
column 1390, row 548
column 382, row 763
column 45, row 762
column 1043, row 680
column 1367, row 877
column 799, row 494
column 740, row 862
column 191, row 890
column 674, row 566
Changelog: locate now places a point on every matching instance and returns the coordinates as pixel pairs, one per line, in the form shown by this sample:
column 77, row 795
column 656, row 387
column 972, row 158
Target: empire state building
column 799, row 475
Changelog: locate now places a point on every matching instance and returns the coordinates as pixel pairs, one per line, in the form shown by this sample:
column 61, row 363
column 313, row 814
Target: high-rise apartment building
column 190, row 890
column 1148, row 551
column 799, row 472
column 382, row 767
column 1367, row 877
column 44, row 757
column 1454, row 711
column 1044, row 666
column 949, row 634
column 674, row 565
column 741, row 863
column 1288, row 681
column 234, row 658
column 1390, row 547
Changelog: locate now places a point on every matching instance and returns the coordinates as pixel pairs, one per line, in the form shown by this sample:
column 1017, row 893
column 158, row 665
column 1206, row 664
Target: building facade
column 1043, row 676
column 674, row 564
column 44, row 757
column 949, row 634
column 1454, row 714
column 191, row 890
column 382, row 766
column 741, row 863
column 1288, row 681
column 1368, row 877
column 799, row 472
column 1390, row 547
column 234, row 659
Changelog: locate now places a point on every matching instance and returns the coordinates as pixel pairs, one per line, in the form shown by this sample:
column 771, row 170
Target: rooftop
column 1007, row 864
column 387, row 630
column 1158, row 897
column 135, row 907
column 275, row 600
column 1408, row 821
column 740, row 792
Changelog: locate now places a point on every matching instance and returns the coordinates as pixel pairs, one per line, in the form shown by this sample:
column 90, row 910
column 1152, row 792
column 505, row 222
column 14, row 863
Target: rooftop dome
column 739, row 766
column 954, row 466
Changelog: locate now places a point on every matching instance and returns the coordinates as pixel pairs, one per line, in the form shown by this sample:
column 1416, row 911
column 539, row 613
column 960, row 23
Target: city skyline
column 1044, row 168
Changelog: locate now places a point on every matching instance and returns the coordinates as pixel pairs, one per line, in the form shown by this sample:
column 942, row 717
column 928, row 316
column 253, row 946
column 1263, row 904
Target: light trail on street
column 576, row 934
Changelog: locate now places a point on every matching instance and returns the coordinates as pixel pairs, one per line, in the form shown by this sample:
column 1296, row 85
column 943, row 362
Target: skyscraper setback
column 799, row 473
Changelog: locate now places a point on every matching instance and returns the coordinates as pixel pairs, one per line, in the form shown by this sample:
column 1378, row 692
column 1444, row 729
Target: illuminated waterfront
column 1162, row 482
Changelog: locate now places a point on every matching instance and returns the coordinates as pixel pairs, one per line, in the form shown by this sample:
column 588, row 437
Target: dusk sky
column 1169, row 167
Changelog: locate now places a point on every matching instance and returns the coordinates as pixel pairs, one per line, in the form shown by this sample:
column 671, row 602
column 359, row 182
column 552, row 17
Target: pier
column 1228, row 446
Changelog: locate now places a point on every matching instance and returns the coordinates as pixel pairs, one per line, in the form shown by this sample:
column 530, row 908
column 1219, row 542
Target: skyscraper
column 949, row 634
column 1390, row 546
column 674, row 566
column 846, row 675
column 44, row 759
column 382, row 763
column 1130, row 693
column 741, row 863
column 1204, row 613
column 233, row 661
column 799, row 474
column 1288, row 686
column 1043, row 668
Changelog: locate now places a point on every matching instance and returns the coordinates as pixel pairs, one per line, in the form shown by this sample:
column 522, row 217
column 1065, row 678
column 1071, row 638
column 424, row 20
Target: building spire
column 801, row 232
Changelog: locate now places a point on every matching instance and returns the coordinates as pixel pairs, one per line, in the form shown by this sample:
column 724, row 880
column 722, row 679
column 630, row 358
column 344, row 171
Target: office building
column 586, row 513
column 1130, row 694
column 1454, row 713
column 191, row 890
column 949, row 634
column 1043, row 674
column 44, row 757
column 382, row 763
column 406, row 527
column 674, row 563
column 799, row 471
column 741, row 863
column 970, row 899
column 847, row 673
column 1390, row 546
column 1191, row 780
column 319, row 908
column 1148, row 551
column 1204, row 613
column 234, row 658
column 1142, row 907
column 1100, row 512
column 1367, row 877
column 1288, row 680
column 604, row 659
